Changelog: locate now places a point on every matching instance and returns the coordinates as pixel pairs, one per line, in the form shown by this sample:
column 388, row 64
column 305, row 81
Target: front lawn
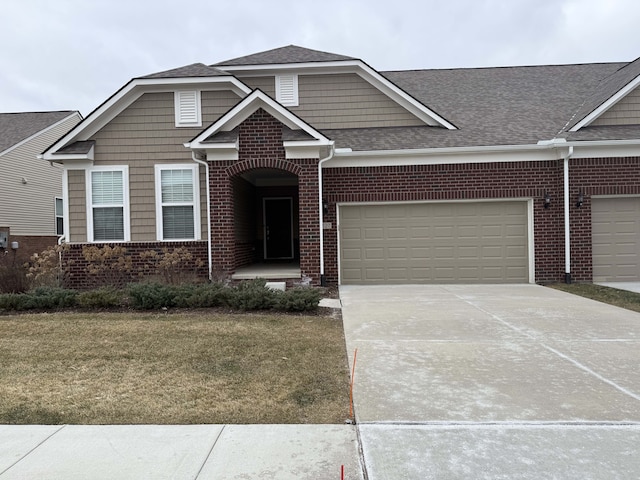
column 172, row 368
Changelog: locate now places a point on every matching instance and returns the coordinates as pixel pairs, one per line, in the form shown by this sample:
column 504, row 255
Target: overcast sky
column 73, row 54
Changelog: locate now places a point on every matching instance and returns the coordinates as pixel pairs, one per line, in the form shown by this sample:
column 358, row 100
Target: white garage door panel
column 616, row 239
column 434, row 243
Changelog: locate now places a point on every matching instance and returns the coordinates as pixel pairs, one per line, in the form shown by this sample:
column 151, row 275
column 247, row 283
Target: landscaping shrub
column 253, row 295
column 13, row 301
column 202, row 295
column 105, row 297
column 13, row 278
column 46, row 269
column 172, row 267
column 301, row 299
column 50, row 298
column 151, row 296
column 107, row 266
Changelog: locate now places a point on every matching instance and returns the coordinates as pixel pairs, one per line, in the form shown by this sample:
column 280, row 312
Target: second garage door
column 466, row 242
column 616, row 239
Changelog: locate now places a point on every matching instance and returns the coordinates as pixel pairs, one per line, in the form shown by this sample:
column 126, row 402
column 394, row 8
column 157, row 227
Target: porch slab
column 268, row 271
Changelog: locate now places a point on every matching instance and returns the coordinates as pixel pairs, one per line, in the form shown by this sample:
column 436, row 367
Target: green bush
column 14, row 301
column 151, row 296
column 105, row 297
column 301, row 299
column 50, row 298
column 253, row 295
column 204, row 295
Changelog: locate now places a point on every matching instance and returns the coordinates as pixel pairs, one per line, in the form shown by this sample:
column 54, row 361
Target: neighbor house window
column 108, row 200
column 177, row 210
column 59, row 217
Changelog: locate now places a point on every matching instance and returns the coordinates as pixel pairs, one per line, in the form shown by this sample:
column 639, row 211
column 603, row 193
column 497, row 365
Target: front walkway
column 499, row 381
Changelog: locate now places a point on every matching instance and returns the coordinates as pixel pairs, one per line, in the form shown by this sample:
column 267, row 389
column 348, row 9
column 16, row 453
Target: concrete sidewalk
column 493, row 381
column 177, row 452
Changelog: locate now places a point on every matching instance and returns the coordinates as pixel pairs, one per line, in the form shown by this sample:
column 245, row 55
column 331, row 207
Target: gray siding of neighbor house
column 625, row 112
column 29, row 208
column 341, row 101
column 142, row 136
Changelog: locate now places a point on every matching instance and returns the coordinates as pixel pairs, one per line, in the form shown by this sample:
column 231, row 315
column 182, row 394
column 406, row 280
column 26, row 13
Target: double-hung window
column 177, row 205
column 59, row 212
column 107, row 193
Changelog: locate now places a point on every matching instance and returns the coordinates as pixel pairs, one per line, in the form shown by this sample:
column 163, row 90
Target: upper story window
column 177, row 206
column 188, row 108
column 287, row 90
column 108, row 199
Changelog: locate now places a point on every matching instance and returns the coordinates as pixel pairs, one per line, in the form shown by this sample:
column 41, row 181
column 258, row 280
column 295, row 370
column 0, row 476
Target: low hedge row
column 249, row 295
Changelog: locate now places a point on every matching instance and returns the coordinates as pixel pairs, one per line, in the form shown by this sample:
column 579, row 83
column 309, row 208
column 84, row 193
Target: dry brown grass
column 188, row 368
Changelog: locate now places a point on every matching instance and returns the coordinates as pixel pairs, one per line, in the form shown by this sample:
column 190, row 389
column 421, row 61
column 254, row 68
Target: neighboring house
column 31, row 203
column 318, row 168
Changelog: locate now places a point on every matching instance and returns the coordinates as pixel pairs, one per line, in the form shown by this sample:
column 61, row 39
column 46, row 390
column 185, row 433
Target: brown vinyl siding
column 266, row 84
column 348, row 101
column 625, row 112
column 144, row 135
column 77, row 206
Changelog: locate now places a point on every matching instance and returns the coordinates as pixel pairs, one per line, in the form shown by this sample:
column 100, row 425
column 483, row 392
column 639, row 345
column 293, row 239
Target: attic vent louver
column 287, row 90
column 187, row 105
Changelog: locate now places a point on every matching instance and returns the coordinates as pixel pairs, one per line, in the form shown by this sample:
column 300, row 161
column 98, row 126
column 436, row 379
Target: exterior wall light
column 580, row 199
column 547, row 199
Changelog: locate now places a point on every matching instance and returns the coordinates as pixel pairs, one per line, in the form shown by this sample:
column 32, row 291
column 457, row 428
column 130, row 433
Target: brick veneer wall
column 30, row 244
column 261, row 146
column 595, row 176
column 500, row 180
column 78, row 277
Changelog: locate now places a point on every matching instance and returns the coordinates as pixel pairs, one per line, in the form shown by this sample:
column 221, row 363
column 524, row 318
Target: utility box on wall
column 4, row 239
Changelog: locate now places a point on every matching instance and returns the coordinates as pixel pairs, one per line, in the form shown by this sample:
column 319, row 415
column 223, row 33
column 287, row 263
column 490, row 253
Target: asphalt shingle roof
column 193, row 70
column 490, row 106
column 16, row 127
column 289, row 54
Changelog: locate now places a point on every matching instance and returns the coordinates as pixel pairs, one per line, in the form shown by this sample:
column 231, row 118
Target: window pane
column 59, row 209
column 59, row 226
column 108, row 223
column 176, row 185
column 106, row 188
column 177, row 222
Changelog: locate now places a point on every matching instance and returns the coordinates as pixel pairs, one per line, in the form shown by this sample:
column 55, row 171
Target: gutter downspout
column 206, row 168
column 567, row 232
column 323, row 281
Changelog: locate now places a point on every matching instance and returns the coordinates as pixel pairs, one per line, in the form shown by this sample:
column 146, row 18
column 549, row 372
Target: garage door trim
column 529, row 221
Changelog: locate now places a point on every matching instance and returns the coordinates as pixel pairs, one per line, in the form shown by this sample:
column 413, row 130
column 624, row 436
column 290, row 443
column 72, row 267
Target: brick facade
column 78, row 277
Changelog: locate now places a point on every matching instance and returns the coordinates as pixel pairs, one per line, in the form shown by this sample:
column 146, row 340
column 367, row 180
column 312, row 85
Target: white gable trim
column 133, row 90
column 239, row 113
column 629, row 87
column 349, row 66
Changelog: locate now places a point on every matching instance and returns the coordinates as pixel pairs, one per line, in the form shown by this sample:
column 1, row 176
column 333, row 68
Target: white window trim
column 126, row 207
column 285, row 101
column 178, row 105
column 196, row 200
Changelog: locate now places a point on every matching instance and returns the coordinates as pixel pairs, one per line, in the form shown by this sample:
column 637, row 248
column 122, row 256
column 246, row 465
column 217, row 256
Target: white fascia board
column 443, row 156
column 603, row 149
column 619, row 95
column 350, row 66
column 244, row 109
column 133, row 90
column 295, row 150
column 38, row 133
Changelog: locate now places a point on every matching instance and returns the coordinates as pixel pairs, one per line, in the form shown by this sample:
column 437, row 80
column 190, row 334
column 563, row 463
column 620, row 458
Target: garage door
column 616, row 239
column 479, row 242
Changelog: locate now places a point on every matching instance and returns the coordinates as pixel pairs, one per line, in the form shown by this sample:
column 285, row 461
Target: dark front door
column 278, row 228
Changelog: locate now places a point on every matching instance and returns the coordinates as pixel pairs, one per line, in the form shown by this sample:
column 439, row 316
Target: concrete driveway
column 498, row 381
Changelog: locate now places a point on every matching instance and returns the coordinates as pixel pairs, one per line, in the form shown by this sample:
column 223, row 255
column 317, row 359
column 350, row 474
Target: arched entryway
column 266, row 221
